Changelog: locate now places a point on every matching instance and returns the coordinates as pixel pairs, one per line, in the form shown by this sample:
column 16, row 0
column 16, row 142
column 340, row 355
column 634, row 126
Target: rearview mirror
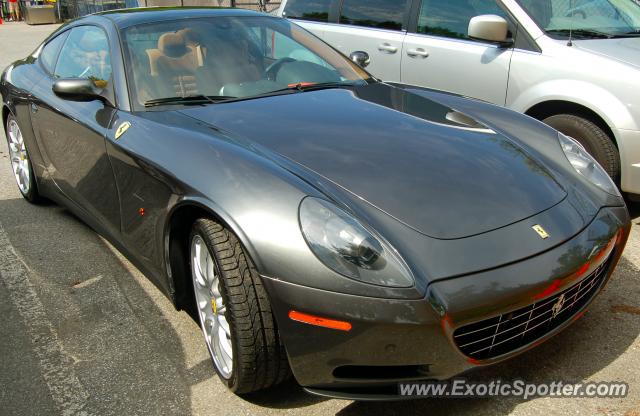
column 360, row 58
column 490, row 27
column 79, row 89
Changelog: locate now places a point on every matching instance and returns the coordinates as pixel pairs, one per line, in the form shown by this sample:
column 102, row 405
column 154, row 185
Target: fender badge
column 541, row 231
column 122, row 129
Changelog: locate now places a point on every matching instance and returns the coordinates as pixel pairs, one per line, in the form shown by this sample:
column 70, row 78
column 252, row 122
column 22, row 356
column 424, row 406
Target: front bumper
column 394, row 340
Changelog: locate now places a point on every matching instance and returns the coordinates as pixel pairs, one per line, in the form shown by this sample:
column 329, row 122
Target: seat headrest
column 173, row 45
column 191, row 37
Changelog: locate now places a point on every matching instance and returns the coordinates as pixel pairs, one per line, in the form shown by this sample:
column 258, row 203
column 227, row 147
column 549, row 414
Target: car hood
column 626, row 50
column 436, row 170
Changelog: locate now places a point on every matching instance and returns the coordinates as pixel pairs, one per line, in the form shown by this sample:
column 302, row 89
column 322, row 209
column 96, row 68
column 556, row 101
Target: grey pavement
column 83, row 332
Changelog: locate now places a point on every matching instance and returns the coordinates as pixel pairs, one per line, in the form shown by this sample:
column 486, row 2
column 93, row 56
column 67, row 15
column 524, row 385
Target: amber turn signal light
column 319, row 321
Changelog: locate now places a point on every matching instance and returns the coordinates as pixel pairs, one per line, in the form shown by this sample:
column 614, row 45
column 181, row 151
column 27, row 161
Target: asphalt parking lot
column 83, row 332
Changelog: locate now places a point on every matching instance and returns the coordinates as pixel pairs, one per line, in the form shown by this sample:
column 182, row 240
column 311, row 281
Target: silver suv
column 574, row 64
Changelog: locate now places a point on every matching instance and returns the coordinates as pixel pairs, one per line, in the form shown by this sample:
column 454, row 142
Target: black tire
column 592, row 137
column 33, row 195
column 259, row 357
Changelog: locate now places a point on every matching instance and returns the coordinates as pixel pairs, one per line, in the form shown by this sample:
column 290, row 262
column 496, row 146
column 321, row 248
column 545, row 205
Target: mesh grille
column 507, row 332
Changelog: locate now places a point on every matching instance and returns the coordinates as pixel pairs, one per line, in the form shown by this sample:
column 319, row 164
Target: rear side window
column 381, row 14
column 49, row 53
column 450, row 18
column 314, row 10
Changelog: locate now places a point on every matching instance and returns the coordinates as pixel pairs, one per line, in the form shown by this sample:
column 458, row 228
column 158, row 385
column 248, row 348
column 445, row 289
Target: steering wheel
column 272, row 70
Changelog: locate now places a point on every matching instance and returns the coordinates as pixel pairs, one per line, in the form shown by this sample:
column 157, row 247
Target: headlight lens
column 586, row 165
column 347, row 247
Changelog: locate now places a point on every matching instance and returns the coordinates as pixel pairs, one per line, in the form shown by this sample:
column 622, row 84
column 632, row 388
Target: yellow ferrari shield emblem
column 541, row 231
column 122, row 129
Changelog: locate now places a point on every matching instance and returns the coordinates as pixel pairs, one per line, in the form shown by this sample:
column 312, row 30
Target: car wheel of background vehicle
column 234, row 311
column 20, row 162
column 592, row 137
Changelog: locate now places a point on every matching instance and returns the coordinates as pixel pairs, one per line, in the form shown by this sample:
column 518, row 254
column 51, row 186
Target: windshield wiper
column 290, row 89
column 583, row 33
column 315, row 86
column 189, row 99
column 295, row 88
column 631, row 34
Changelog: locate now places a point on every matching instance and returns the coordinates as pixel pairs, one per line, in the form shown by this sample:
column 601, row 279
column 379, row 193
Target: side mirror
column 79, row 89
column 360, row 58
column 491, row 28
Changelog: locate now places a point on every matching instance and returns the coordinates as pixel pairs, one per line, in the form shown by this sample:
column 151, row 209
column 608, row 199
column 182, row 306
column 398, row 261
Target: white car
column 574, row 64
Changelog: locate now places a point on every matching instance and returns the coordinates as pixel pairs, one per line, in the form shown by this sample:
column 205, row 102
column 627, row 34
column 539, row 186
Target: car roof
column 129, row 17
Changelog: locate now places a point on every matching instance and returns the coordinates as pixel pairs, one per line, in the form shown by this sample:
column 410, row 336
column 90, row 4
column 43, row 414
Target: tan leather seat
column 181, row 65
column 175, row 64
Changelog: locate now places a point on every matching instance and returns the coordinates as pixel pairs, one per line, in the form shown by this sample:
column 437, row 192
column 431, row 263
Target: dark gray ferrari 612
column 316, row 220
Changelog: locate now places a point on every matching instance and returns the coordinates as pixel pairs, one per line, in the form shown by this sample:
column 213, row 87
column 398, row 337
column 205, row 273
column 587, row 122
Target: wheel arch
column 5, row 115
column 178, row 226
column 545, row 109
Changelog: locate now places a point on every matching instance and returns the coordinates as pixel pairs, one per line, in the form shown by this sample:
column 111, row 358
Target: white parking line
column 56, row 366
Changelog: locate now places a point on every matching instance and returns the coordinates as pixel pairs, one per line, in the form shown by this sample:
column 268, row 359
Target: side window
column 451, row 18
column 382, row 14
column 315, row 10
column 49, row 53
column 85, row 55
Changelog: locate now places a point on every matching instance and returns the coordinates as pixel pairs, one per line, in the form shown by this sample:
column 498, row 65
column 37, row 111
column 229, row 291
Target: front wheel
column 234, row 311
column 592, row 137
column 20, row 162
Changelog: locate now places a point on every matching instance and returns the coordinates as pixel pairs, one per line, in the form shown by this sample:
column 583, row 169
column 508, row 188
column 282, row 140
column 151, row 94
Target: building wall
column 70, row 9
column 245, row 4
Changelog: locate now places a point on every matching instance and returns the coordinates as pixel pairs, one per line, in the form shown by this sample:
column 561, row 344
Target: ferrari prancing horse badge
column 122, row 129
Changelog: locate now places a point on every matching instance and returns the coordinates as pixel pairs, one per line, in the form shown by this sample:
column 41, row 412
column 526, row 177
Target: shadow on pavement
column 287, row 395
column 126, row 353
column 634, row 211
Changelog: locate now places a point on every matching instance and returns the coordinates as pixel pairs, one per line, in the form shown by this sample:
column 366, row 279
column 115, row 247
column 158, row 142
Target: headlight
column 347, row 247
column 586, row 165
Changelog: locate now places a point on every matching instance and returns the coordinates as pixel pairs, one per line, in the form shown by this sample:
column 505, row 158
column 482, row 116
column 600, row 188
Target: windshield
column 586, row 18
column 220, row 58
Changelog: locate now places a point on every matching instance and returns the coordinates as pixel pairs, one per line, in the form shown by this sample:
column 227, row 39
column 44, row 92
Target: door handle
column 34, row 108
column 387, row 48
column 417, row 53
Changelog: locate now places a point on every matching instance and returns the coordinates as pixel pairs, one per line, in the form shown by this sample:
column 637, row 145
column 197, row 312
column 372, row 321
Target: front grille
column 505, row 333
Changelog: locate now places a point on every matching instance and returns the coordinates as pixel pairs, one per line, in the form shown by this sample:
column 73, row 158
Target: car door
column 376, row 27
column 440, row 55
column 71, row 134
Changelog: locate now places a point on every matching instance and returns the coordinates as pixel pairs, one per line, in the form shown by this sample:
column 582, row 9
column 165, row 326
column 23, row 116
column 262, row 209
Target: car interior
column 180, row 65
column 219, row 60
column 560, row 14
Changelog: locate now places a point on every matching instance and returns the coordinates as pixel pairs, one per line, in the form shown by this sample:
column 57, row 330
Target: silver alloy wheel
column 211, row 307
column 19, row 157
